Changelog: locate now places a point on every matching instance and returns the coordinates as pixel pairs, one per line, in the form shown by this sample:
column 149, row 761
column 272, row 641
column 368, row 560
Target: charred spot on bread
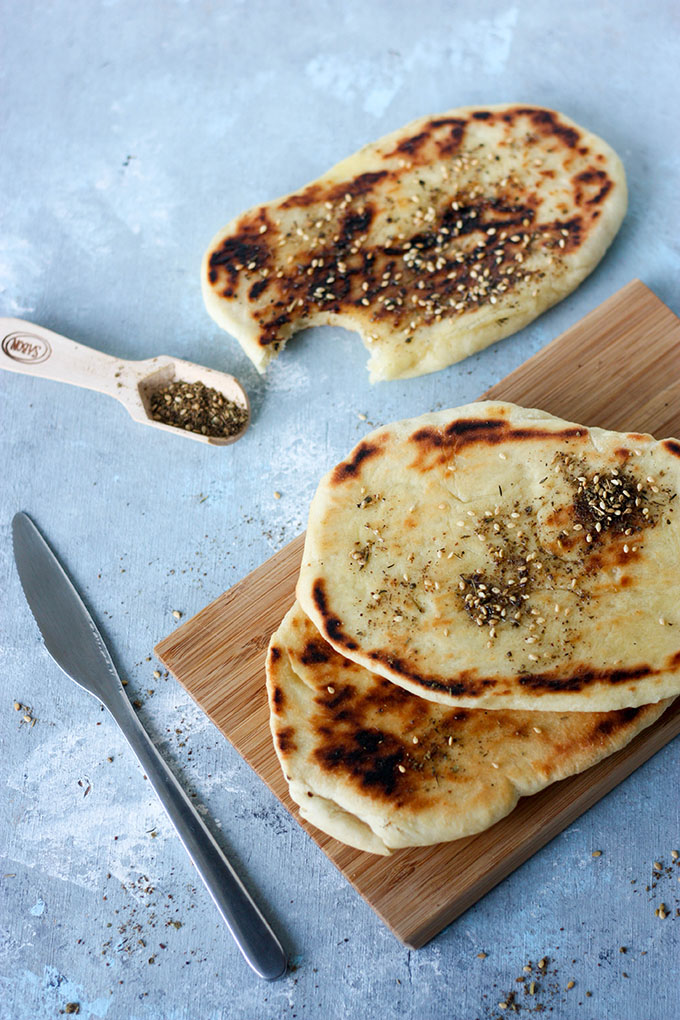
column 331, row 626
column 315, row 651
column 371, row 757
column 349, row 469
column 285, row 740
column 278, row 698
column 584, row 677
column 617, row 720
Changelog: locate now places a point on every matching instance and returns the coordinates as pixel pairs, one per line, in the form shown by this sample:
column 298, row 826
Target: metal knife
column 73, row 641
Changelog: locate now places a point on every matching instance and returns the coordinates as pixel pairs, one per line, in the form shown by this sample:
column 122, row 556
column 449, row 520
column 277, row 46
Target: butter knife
column 73, row 641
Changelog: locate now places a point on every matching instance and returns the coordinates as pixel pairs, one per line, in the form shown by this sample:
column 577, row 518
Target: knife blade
column 74, row 642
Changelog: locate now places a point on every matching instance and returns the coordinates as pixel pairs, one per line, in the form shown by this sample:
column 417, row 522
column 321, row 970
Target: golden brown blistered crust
column 337, row 267
column 348, row 740
column 470, row 684
column 437, row 445
column 604, row 539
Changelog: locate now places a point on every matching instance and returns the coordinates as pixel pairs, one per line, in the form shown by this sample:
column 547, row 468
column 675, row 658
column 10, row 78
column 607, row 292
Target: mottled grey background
column 131, row 133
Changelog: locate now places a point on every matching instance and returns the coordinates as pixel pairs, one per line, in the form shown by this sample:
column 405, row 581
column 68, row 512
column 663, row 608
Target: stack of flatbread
column 488, row 602
column 432, row 242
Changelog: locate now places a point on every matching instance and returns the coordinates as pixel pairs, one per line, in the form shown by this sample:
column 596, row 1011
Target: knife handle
column 252, row 933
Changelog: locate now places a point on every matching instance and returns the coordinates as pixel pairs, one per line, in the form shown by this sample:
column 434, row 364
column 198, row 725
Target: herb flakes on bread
column 432, row 243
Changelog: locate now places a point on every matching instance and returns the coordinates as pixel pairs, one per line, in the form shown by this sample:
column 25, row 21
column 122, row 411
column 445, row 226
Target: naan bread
column 497, row 557
column 432, row 243
column 379, row 768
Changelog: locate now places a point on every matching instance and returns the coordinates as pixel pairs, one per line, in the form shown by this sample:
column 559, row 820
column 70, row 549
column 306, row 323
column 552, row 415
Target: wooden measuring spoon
column 34, row 350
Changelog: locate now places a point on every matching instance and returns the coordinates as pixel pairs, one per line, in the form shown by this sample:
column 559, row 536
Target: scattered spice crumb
column 28, row 716
column 72, row 1007
column 176, row 613
column 277, row 494
column 597, row 853
column 481, row 956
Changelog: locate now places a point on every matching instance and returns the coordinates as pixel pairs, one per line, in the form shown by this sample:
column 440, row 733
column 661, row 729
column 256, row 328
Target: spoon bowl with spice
column 168, row 393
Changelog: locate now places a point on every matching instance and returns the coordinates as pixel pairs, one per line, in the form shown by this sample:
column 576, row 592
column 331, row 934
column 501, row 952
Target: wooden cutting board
column 618, row 368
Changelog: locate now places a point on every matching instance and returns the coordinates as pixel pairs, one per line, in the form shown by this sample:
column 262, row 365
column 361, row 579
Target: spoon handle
column 33, row 350
column 252, row 934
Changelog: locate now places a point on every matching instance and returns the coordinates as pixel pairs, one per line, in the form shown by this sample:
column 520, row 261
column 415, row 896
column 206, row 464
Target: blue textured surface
column 131, row 133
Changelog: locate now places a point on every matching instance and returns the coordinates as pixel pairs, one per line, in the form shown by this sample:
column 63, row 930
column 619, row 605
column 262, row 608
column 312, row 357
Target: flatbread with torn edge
column 433, row 242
